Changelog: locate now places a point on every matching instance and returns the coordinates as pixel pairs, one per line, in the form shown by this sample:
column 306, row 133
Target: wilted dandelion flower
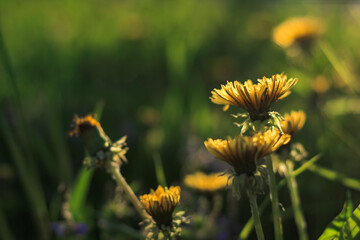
column 91, row 132
column 206, row 182
column 254, row 98
column 243, row 152
column 301, row 30
column 97, row 143
column 293, row 122
column 160, row 204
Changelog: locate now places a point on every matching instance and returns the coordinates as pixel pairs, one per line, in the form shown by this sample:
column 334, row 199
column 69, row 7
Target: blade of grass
column 79, row 193
column 28, row 179
column 98, row 109
column 159, row 170
column 335, row 176
column 340, row 67
column 61, row 151
column 4, row 228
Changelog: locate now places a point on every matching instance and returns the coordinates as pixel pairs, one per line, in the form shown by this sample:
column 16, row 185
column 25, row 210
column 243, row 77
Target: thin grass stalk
column 30, row 182
column 335, row 176
column 159, row 170
column 340, row 67
column 296, row 204
column 256, row 214
column 274, row 200
column 4, row 227
column 120, row 180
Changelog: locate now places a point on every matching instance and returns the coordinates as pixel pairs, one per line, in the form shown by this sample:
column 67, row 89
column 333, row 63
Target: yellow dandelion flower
column 207, row 182
column 293, row 122
column 254, row 98
column 243, row 152
column 161, row 203
column 297, row 30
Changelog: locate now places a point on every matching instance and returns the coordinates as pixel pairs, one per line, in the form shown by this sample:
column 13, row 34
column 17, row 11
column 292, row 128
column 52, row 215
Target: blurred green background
column 147, row 68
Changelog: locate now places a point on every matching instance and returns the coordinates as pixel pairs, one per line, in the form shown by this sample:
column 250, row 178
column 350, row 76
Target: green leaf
column 333, row 229
column 351, row 228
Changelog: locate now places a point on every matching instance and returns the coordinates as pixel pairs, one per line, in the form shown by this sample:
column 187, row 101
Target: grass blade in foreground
column 79, row 193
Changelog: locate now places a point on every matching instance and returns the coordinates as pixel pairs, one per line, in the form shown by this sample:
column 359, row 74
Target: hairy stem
column 120, row 180
column 255, row 214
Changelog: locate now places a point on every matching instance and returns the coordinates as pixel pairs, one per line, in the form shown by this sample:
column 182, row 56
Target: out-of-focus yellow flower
column 243, row 152
column 293, row 122
column 161, row 203
column 254, row 98
column 300, row 30
column 320, row 84
column 207, row 182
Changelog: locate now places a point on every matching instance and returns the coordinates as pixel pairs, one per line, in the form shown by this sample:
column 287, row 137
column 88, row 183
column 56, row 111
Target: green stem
column 274, row 200
column 120, row 180
column 245, row 232
column 256, row 215
column 295, row 201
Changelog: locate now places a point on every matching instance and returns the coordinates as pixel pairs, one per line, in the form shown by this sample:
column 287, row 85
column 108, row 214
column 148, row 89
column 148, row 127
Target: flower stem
column 255, row 214
column 120, row 180
column 295, row 201
column 274, row 200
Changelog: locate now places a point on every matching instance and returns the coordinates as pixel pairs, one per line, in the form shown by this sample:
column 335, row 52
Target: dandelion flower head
column 293, row 122
column 243, row 152
column 254, row 98
column 161, row 203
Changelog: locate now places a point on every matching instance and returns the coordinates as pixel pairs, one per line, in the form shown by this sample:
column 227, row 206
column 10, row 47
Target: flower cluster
column 243, row 152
